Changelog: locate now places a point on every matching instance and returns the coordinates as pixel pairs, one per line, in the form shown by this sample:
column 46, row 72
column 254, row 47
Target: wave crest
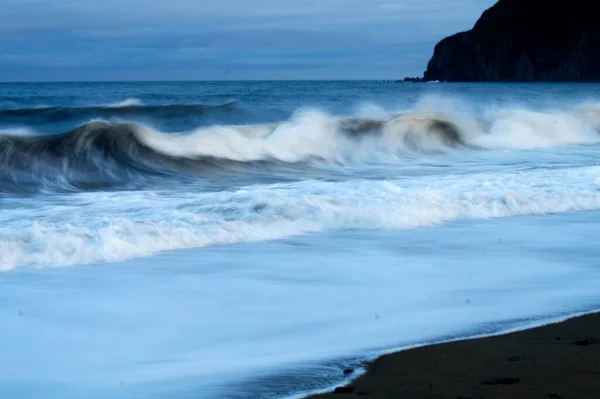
column 98, row 152
column 104, row 153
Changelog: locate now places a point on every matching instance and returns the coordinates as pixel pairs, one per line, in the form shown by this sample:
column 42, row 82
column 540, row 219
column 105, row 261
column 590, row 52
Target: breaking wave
column 111, row 225
column 98, row 153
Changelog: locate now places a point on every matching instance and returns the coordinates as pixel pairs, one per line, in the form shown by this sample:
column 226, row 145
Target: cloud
column 91, row 40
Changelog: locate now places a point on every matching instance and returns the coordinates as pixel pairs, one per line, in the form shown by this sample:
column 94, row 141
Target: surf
column 112, row 153
column 113, row 226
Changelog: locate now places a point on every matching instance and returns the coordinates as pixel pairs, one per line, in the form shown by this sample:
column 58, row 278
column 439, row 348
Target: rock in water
column 507, row 380
column 585, row 342
column 526, row 41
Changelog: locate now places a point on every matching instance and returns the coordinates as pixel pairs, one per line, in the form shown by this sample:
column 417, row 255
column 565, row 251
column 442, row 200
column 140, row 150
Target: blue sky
column 66, row 40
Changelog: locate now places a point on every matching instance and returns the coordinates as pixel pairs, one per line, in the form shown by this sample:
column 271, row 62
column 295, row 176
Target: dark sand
column 552, row 365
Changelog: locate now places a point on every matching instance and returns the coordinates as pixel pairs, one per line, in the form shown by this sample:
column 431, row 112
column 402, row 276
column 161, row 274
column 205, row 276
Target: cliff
column 526, row 41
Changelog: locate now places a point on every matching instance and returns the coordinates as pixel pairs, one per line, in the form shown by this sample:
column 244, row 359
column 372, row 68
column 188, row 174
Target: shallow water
column 250, row 240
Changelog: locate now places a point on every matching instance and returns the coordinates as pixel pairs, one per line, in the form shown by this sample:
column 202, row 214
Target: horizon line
column 196, row 80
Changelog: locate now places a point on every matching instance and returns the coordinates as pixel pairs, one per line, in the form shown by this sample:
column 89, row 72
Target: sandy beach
column 554, row 361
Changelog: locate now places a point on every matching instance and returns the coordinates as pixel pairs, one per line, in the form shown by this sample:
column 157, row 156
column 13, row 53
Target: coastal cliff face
column 524, row 40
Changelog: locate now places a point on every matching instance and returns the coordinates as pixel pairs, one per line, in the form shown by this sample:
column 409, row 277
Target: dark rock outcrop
column 526, row 41
column 411, row 80
column 585, row 342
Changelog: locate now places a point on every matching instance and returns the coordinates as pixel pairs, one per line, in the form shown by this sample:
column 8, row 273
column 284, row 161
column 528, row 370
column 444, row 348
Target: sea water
column 253, row 239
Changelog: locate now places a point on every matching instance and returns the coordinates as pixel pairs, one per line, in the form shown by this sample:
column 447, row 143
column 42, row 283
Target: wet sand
column 555, row 361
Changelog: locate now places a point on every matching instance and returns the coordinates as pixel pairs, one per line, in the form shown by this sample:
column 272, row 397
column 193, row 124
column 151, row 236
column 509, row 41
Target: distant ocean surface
column 253, row 239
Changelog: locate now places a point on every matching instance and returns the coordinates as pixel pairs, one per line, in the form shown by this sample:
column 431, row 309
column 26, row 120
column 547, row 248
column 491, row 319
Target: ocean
column 254, row 239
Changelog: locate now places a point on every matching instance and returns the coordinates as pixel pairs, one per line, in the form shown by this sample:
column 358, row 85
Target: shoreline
column 560, row 360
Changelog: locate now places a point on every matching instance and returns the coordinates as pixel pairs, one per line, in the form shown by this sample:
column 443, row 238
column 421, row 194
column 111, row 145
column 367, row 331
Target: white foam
column 99, row 227
column 130, row 102
column 310, row 134
column 313, row 134
column 524, row 129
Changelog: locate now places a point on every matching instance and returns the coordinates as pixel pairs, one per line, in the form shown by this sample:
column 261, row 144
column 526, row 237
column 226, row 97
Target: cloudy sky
column 66, row 40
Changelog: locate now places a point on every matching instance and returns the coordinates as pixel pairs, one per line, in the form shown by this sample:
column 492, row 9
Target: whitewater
column 253, row 239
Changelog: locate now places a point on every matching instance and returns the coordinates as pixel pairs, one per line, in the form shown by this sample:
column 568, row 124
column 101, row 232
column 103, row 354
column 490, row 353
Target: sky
column 74, row 40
